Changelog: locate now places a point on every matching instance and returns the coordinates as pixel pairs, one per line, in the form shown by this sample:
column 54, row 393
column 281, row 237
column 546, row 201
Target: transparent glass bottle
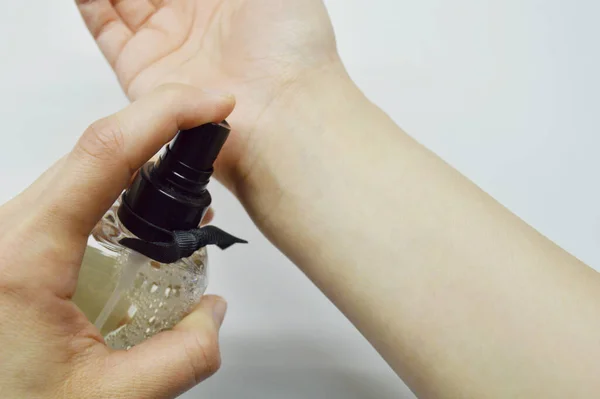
column 132, row 295
column 151, row 297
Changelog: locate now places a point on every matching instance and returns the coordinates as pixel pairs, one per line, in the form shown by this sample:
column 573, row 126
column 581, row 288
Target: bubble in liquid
column 140, row 282
column 169, row 293
column 131, row 311
column 176, row 291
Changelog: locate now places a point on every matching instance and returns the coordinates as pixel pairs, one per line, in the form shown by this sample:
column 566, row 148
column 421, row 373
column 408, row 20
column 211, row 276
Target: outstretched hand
column 254, row 49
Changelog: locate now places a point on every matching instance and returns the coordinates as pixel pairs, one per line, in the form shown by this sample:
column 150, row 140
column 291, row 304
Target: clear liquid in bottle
column 138, row 296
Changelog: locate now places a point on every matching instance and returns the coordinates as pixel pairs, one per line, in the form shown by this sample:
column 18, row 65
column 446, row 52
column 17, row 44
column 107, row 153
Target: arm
column 461, row 297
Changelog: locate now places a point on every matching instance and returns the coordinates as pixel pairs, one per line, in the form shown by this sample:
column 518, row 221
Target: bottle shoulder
column 109, row 231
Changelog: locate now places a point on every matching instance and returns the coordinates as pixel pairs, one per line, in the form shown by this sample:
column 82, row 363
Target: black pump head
column 199, row 147
column 171, row 193
column 187, row 163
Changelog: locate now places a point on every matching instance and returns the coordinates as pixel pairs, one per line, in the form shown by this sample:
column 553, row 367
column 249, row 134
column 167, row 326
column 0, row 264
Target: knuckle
column 103, row 139
column 173, row 96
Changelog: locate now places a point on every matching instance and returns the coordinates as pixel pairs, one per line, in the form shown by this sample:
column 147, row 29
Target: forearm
column 461, row 297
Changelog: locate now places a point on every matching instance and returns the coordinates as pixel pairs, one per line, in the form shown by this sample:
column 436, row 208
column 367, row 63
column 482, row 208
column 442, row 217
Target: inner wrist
column 315, row 102
column 317, row 96
column 298, row 132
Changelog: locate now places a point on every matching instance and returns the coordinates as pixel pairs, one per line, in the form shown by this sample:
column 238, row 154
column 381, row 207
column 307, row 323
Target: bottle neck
column 172, row 171
column 154, row 204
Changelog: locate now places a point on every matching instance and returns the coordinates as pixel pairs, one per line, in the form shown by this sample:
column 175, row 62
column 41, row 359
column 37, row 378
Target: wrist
column 304, row 132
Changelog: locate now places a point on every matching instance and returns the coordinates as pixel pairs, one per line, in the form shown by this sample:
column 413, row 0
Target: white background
column 506, row 91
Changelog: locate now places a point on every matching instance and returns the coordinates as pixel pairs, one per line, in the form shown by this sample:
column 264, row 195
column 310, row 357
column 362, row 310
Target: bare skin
column 461, row 297
column 48, row 349
column 257, row 50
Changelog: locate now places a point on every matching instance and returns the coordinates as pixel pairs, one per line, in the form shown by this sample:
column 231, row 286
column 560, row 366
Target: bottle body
column 131, row 297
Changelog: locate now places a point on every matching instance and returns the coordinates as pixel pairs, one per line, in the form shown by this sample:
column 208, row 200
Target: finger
column 135, row 13
column 113, row 149
column 173, row 361
column 106, row 26
column 210, row 215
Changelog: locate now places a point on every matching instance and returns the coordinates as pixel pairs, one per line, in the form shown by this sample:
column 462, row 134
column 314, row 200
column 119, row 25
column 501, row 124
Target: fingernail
column 219, row 311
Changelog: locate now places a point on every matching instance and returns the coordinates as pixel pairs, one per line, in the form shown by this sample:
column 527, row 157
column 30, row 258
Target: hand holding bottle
column 49, row 348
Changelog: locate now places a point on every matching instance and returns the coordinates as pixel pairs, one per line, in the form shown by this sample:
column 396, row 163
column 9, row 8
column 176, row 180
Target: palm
column 247, row 47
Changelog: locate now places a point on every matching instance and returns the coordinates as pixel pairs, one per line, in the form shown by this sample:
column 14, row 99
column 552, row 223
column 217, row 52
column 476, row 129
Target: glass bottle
column 131, row 296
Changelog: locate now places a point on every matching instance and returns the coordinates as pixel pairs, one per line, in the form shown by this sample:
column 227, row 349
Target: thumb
column 174, row 361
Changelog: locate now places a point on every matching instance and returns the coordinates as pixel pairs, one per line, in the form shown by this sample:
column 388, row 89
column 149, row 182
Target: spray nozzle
column 187, row 162
column 199, row 147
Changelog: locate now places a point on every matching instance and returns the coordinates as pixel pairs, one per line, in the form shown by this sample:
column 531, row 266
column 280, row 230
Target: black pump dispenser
column 170, row 195
column 198, row 148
